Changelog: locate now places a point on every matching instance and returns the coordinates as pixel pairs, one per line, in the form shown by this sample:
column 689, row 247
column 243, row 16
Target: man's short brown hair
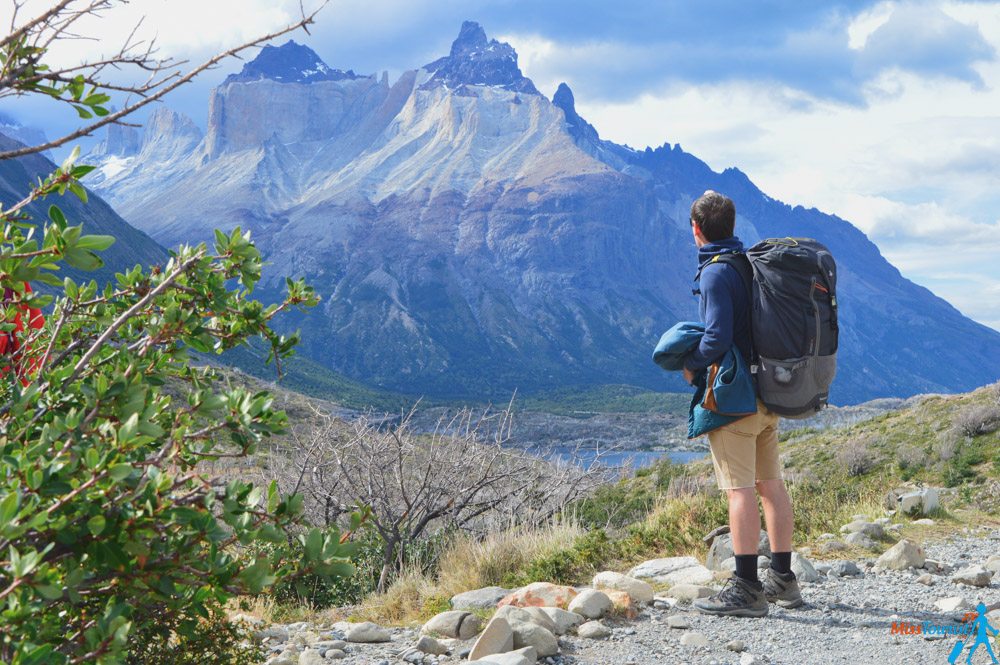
column 715, row 216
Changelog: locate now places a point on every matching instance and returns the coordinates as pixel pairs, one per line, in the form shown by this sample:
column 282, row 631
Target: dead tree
column 460, row 477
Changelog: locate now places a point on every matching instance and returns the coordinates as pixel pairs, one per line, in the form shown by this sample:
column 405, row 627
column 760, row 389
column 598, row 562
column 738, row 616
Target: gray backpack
column 793, row 291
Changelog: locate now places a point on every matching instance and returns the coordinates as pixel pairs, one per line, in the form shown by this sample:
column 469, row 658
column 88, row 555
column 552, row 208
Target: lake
column 639, row 458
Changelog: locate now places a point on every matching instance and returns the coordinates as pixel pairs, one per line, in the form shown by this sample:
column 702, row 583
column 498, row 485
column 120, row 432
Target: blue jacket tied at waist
column 731, row 395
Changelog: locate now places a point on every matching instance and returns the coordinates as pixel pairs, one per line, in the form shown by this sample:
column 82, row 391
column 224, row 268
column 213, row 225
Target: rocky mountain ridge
column 471, row 237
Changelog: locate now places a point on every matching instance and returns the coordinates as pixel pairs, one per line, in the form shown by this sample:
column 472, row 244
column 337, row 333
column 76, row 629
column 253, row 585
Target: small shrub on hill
column 978, row 419
column 857, row 456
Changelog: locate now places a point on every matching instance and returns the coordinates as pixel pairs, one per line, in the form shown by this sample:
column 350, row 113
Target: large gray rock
column 689, row 592
column 908, row 501
column 976, row 576
column 497, row 637
column 563, row 621
column 859, row 539
column 455, row 624
column 366, row 632
column 694, row 639
column 992, row 563
column 428, row 644
column 479, row 599
column 639, row 591
column 870, row 529
column 591, row 604
column 904, row 554
column 533, row 635
column 673, row 570
column 953, row 604
column 722, row 549
column 511, row 658
column 535, row 615
column 803, row 569
column 594, row 630
column 311, row 657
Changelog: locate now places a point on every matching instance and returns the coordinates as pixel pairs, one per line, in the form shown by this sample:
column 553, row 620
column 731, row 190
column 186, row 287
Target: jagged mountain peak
column 289, row 63
column 579, row 128
column 477, row 60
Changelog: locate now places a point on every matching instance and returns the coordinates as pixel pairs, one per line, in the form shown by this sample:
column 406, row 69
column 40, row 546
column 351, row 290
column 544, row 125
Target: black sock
column 781, row 562
column 746, row 568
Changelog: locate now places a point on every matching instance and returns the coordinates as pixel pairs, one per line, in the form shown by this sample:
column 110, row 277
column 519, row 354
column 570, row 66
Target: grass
column 666, row 509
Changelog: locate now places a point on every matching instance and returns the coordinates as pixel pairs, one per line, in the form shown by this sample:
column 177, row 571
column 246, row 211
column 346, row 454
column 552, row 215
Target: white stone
column 926, row 579
column 366, row 632
column 858, row 539
column 562, row 620
column 428, row 644
column 533, row 635
column 535, row 615
column 973, row 576
column 673, row 570
column 953, row 604
column 992, row 564
column 904, row 554
column 594, row 630
column 678, row 621
column 497, row 637
column 637, row 589
column 591, row 604
column 689, row 592
column 803, row 569
column 694, row 640
column 479, row 599
column 310, row 657
column 505, row 659
column 454, row 623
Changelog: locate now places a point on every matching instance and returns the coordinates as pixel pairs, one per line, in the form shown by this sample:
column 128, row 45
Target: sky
column 886, row 114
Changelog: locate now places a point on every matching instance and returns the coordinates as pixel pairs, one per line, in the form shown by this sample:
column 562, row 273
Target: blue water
column 638, row 458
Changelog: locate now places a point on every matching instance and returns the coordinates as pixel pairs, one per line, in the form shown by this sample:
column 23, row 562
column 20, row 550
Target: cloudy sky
column 884, row 113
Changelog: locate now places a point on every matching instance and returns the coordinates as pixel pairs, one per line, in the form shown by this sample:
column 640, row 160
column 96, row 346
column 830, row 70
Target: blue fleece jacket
column 725, row 307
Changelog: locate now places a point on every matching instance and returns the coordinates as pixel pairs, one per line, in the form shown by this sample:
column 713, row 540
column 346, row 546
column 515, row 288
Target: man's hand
column 689, row 376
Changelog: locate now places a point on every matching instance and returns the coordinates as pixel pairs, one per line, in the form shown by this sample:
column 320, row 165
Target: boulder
column 804, row 571
column 953, row 604
column 673, row 570
column 591, row 604
column 272, row 633
column 722, row 549
column 455, row 623
column 843, row 568
column 830, row 546
column 689, row 592
column 859, row 539
column 563, row 621
column 976, row 576
column 913, row 501
column 736, row 645
column 622, row 603
column 511, row 658
column 594, row 630
column 533, row 635
column 533, row 615
column 926, row 579
column 479, row 599
column 497, row 637
column 311, row 657
column 678, row 621
column 366, row 632
column 904, row 554
column 870, row 529
column 992, row 564
column 637, row 589
column 540, row 594
column 428, row 644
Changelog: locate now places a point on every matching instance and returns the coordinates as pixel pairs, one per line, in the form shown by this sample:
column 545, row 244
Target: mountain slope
column 471, row 237
column 19, row 176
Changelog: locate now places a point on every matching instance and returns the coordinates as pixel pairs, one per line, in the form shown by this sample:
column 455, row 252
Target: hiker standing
column 15, row 344
column 744, row 452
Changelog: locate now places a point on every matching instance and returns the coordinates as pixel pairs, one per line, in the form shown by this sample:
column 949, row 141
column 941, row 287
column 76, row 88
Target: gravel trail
column 844, row 620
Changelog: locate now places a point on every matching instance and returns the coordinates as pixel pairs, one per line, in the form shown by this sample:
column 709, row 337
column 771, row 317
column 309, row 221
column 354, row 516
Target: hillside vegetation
column 944, row 441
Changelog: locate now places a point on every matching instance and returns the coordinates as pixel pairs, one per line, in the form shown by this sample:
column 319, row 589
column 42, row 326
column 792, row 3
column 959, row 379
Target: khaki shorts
column 746, row 451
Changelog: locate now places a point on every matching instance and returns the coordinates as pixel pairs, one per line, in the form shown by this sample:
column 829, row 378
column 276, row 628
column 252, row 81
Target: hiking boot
column 782, row 589
column 738, row 598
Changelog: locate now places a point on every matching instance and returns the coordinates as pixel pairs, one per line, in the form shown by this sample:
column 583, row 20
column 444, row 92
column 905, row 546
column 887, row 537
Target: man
column 744, row 453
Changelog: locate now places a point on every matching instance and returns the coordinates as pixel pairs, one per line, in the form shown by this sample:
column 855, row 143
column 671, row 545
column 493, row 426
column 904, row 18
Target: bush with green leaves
column 108, row 525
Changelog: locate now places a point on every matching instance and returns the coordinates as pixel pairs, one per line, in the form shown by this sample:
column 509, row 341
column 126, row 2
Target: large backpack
column 793, row 291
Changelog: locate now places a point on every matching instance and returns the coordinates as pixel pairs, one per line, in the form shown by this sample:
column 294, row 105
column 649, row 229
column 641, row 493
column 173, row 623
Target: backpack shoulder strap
column 741, row 262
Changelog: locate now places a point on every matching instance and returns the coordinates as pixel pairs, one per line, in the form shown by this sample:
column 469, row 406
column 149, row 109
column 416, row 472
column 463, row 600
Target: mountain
column 470, row 236
column 19, row 176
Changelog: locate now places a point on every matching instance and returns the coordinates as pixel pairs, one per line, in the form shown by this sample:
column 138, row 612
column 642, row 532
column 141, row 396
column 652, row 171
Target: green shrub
column 212, row 641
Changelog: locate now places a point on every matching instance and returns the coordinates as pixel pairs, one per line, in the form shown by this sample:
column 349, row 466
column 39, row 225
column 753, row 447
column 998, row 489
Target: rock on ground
column 673, row 570
column 540, row 594
column 479, row 599
column 637, row 589
column 904, row 554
